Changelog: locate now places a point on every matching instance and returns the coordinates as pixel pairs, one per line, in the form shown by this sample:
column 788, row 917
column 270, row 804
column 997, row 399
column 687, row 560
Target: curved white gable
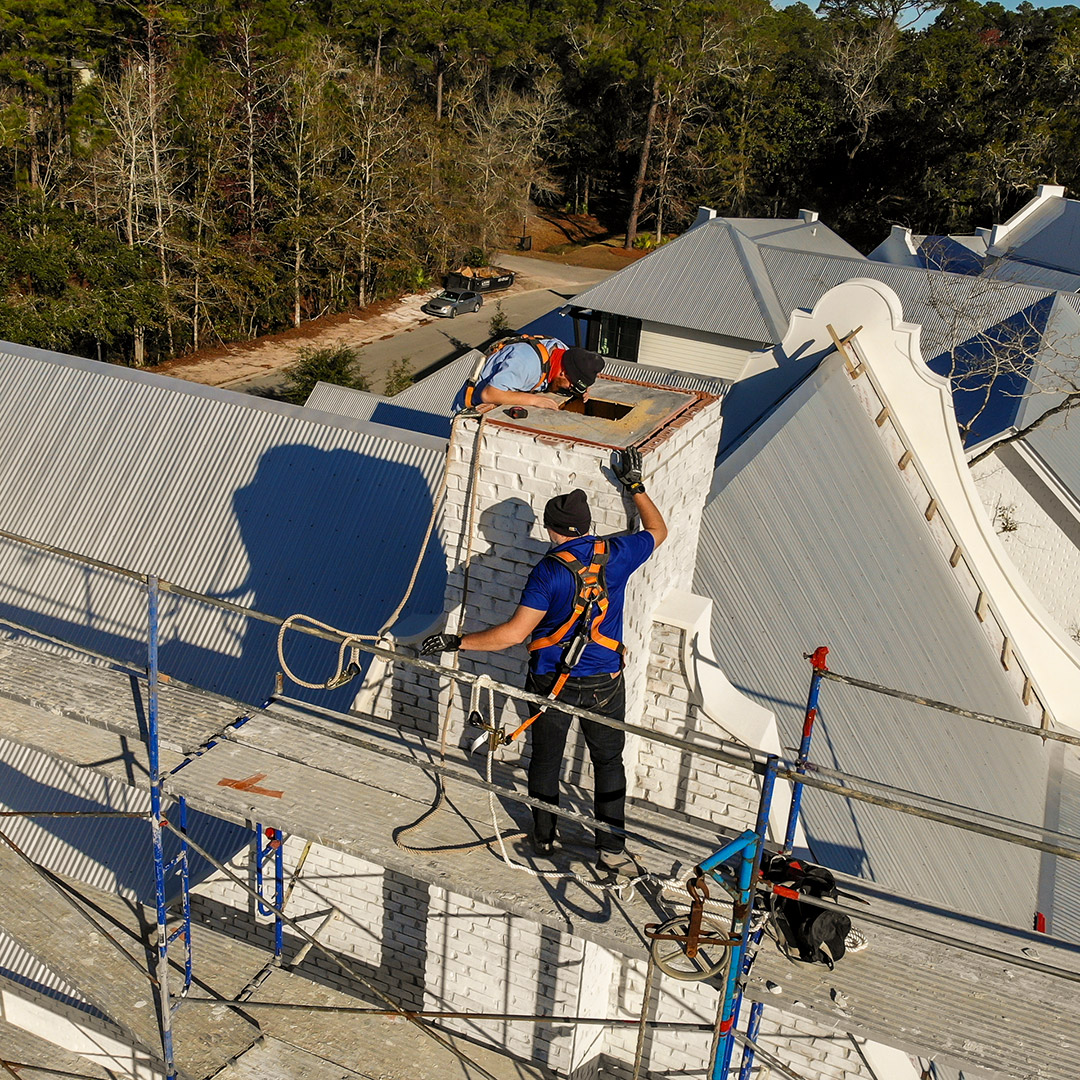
column 920, row 412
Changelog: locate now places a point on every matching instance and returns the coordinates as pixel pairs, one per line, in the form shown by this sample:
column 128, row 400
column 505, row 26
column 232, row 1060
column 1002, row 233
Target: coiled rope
column 348, row 669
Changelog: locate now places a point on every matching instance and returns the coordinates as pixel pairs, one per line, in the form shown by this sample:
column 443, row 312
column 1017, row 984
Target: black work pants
column 603, row 694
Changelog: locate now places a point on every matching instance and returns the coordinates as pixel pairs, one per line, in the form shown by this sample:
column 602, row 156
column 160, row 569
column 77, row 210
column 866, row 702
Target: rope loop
column 349, row 670
column 346, row 668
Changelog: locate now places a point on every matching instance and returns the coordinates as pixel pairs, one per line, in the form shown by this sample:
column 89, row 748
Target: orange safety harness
column 528, row 339
column 590, row 608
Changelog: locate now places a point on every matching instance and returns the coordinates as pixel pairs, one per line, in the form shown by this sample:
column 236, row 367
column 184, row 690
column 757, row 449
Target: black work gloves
column 440, row 643
column 628, row 470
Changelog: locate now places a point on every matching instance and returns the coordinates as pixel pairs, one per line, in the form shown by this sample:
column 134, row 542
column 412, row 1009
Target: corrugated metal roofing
column 1057, row 443
column 1050, row 236
column 432, row 395
column 697, row 281
column 704, row 282
column 951, row 308
column 272, row 506
column 1030, row 274
column 1065, row 917
column 436, row 393
column 792, row 233
column 418, row 408
column 809, row 538
column 675, row 380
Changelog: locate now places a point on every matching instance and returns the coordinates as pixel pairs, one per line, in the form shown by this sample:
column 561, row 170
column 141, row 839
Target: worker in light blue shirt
column 526, row 371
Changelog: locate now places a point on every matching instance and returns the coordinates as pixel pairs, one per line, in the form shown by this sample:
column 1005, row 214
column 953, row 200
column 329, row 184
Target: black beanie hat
column 568, row 514
column 581, row 366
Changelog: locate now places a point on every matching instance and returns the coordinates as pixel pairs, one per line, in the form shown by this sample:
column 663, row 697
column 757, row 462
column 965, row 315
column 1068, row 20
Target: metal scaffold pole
column 817, row 662
column 752, row 846
column 272, row 850
column 164, row 1004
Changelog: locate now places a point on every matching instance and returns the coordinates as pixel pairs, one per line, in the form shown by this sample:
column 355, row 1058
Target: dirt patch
column 574, row 240
column 596, row 256
column 295, row 336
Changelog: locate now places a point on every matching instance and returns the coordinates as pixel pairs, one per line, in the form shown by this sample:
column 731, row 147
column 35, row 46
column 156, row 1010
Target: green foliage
column 498, row 323
column 399, row 376
column 173, row 174
column 70, row 286
column 331, row 364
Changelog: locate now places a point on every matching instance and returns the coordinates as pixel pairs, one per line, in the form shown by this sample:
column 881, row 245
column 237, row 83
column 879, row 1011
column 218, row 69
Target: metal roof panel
column 698, row 281
column 276, row 507
column 809, row 538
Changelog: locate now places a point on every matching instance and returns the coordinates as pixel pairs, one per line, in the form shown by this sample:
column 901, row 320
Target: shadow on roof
column 330, row 533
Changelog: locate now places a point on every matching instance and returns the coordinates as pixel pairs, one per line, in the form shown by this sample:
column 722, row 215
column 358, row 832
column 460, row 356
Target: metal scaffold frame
column 745, row 851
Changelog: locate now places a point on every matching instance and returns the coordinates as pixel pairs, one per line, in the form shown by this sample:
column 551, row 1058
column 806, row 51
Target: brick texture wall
column 432, row 948
column 428, row 947
column 676, row 779
column 513, row 473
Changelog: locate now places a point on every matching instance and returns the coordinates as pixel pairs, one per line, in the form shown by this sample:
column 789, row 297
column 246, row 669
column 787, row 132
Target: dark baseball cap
column 581, row 366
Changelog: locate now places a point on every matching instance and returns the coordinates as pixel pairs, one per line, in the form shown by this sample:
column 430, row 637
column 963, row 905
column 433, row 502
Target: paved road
column 541, row 287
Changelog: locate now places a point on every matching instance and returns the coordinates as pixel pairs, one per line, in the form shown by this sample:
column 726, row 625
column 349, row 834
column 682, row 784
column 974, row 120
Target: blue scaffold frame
column 743, row 958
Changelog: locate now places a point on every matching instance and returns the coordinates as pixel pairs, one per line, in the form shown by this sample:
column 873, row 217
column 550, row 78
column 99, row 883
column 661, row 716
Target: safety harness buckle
column 493, row 734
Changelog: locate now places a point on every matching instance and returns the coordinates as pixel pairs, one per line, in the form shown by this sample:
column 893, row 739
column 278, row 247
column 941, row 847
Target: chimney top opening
column 598, row 407
column 620, row 412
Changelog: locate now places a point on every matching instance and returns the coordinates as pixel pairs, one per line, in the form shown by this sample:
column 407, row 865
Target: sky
column 929, row 17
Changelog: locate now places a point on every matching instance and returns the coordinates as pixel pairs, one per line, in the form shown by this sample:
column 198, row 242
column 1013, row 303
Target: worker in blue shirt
column 529, row 371
column 549, row 602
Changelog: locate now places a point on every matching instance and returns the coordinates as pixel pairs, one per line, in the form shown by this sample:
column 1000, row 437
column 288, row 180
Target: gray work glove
column 440, row 643
column 628, row 470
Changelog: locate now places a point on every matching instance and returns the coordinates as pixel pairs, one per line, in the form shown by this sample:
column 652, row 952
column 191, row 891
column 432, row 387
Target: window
column 614, row 335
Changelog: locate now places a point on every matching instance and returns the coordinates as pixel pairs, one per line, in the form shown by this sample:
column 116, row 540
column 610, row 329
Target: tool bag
column 817, row 934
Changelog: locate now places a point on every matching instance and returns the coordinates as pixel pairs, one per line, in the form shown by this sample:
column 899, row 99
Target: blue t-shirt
column 513, row 367
column 552, row 586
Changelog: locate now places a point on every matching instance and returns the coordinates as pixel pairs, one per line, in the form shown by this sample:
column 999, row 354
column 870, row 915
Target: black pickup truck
column 482, row 279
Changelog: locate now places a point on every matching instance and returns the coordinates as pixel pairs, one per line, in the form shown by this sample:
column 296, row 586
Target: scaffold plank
column 973, row 1010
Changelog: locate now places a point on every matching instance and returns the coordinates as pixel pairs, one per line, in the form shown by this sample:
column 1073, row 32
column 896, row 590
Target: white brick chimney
column 521, row 464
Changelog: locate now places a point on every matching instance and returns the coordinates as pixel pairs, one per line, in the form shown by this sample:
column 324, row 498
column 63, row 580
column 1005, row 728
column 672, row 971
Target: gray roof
column 810, row 538
column 700, row 281
column 1042, row 248
column 1066, row 884
column 717, row 279
column 434, row 395
column 276, row 507
column 796, row 234
column 431, row 396
column 1057, row 444
column 1049, row 236
column 1048, row 278
column 951, row 308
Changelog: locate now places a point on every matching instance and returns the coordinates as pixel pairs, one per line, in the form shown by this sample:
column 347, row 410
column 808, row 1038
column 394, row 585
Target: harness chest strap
column 541, row 351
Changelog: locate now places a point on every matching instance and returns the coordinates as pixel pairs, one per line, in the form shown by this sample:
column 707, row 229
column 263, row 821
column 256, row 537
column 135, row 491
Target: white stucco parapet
column 916, row 405
column 731, row 710
column 1000, row 234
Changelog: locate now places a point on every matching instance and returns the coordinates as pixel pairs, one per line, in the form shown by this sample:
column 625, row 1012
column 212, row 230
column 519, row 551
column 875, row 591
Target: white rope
column 346, row 670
